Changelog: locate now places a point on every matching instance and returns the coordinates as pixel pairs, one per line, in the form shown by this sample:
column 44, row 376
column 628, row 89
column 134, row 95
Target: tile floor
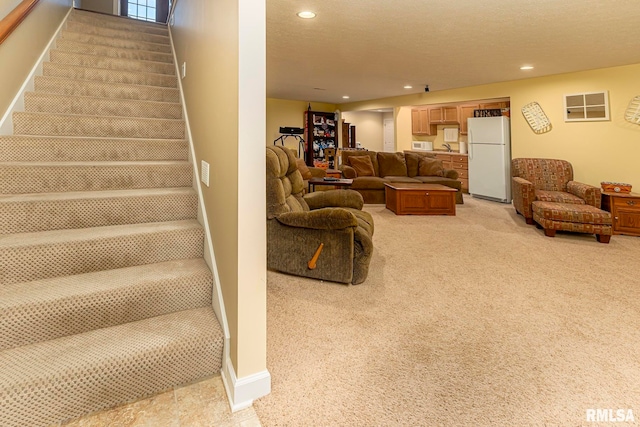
column 201, row 404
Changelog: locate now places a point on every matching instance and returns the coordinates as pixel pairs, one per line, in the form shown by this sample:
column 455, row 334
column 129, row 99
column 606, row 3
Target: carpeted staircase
column 105, row 296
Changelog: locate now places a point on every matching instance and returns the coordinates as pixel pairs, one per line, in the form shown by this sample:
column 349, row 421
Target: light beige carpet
column 473, row 320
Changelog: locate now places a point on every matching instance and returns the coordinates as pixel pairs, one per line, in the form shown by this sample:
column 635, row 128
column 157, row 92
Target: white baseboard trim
column 6, row 122
column 241, row 392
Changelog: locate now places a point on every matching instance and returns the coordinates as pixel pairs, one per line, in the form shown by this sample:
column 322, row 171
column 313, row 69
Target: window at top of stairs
column 144, row 10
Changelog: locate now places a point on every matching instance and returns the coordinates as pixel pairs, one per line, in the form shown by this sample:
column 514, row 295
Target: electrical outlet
column 184, row 70
column 204, row 172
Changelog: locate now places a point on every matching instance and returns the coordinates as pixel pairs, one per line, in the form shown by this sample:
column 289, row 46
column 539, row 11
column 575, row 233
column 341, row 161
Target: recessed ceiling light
column 527, row 67
column 307, row 14
column 408, row 87
column 345, row 97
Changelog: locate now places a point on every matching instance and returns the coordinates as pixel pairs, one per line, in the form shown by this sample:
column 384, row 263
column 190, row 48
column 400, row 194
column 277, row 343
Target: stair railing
column 15, row 17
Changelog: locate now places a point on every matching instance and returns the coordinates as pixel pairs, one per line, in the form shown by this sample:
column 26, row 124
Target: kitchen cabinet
column 420, row 121
column 458, row 162
column 425, row 119
column 465, row 112
column 443, row 115
column 494, row 105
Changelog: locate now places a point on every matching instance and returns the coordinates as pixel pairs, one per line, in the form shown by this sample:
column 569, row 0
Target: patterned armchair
column 548, row 180
column 323, row 235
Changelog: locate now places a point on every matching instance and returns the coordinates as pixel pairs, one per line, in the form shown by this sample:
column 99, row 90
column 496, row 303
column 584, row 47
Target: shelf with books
column 320, row 134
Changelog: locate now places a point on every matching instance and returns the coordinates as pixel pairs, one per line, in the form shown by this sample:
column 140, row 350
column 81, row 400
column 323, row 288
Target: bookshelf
column 320, row 134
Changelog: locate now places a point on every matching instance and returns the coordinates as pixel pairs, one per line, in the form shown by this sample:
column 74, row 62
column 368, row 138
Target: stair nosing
column 61, row 115
column 112, row 71
column 168, row 39
column 69, row 235
column 118, row 18
column 123, row 163
column 129, row 85
column 118, row 59
column 123, row 26
column 39, row 93
column 95, row 138
column 127, row 49
column 142, row 42
column 19, row 351
column 11, row 291
column 95, row 194
column 135, row 22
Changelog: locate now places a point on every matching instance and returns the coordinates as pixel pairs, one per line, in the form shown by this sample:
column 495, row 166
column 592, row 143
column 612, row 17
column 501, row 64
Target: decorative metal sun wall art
column 536, row 118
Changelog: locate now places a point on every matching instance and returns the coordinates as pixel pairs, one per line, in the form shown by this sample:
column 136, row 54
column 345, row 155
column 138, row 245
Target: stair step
column 56, row 253
column 47, row 309
column 119, row 23
column 22, row 148
column 26, row 123
column 116, row 18
column 46, row 177
column 71, row 58
column 80, row 27
column 64, row 86
column 113, row 52
column 111, row 42
column 42, row 102
column 56, row 380
column 83, row 209
column 54, row 69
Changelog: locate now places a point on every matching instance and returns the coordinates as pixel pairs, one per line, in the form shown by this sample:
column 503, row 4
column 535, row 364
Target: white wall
column 223, row 43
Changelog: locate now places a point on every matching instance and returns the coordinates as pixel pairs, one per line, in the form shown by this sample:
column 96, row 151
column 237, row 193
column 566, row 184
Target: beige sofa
column 393, row 167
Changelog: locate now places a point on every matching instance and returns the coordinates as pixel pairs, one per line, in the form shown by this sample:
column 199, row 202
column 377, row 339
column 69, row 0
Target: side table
column 625, row 211
column 337, row 183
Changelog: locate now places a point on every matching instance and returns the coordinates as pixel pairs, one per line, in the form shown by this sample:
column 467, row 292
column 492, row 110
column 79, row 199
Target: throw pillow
column 392, row 164
column 413, row 160
column 362, row 164
column 430, row 167
column 304, row 169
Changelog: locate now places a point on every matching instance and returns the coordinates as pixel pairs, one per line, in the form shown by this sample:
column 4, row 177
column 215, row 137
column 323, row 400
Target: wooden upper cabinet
column 440, row 115
column 493, row 106
column 420, row 121
column 451, row 114
column 424, row 120
column 465, row 112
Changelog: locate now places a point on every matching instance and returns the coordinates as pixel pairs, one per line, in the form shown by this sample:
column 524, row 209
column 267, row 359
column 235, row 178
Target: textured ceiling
column 369, row 49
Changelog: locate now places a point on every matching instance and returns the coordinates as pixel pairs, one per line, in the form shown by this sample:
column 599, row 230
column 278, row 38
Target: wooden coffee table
column 420, row 199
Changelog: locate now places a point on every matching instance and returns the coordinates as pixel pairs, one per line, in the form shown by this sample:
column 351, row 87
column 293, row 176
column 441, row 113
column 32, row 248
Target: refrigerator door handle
column 470, row 139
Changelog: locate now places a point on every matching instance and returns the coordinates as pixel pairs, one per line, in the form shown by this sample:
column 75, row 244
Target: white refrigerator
column 489, row 158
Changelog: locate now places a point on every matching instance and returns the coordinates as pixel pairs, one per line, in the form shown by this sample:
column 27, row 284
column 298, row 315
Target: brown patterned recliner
column 544, row 192
column 300, row 226
column 547, row 180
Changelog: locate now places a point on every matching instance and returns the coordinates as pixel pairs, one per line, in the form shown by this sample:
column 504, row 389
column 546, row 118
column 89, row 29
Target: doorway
column 389, row 136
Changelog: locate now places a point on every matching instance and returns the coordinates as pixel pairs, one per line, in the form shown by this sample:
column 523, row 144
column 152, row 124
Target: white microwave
column 422, row 145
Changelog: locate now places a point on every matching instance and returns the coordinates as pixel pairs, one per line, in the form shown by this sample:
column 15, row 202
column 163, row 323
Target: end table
column 625, row 212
